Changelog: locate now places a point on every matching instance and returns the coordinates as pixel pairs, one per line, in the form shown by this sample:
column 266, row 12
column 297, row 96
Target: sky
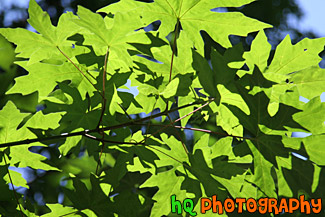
column 314, row 16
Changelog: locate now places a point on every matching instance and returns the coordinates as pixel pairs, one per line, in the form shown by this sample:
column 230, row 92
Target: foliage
column 202, row 124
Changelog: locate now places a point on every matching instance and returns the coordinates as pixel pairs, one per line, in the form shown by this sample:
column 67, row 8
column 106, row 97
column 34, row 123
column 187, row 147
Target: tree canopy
column 212, row 116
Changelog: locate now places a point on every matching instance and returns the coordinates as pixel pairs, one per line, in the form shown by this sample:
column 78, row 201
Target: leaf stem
column 125, row 112
column 13, row 187
column 170, row 78
column 111, row 141
column 67, row 214
column 174, row 50
column 103, row 91
column 103, row 109
column 79, row 70
column 172, row 59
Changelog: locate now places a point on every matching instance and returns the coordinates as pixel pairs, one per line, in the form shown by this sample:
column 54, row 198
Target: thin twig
column 179, row 136
column 171, row 123
column 12, row 184
column 200, row 130
column 111, row 141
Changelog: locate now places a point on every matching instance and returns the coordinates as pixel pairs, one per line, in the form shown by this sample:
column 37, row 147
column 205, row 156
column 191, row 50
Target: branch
column 83, row 132
column 111, row 141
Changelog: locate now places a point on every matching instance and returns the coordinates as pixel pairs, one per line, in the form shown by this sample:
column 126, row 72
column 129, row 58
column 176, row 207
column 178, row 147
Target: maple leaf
column 193, row 16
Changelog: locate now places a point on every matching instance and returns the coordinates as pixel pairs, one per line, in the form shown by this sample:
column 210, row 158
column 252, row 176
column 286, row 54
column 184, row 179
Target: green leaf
column 267, row 132
column 7, row 54
column 224, row 167
column 111, row 35
column 38, row 47
column 77, row 114
column 182, row 61
column 309, row 81
column 168, row 184
column 51, row 74
column 288, row 67
column 10, row 118
column 259, row 52
column 93, row 198
column 16, row 178
column 297, row 57
column 206, row 76
column 193, row 16
column 170, row 89
column 262, row 172
column 239, row 144
column 44, row 121
column 114, row 103
column 176, row 151
column 298, row 175
column 60, row 210
column 314, row 150
column 312, row 117
column 8, row 203
column 185, row 101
